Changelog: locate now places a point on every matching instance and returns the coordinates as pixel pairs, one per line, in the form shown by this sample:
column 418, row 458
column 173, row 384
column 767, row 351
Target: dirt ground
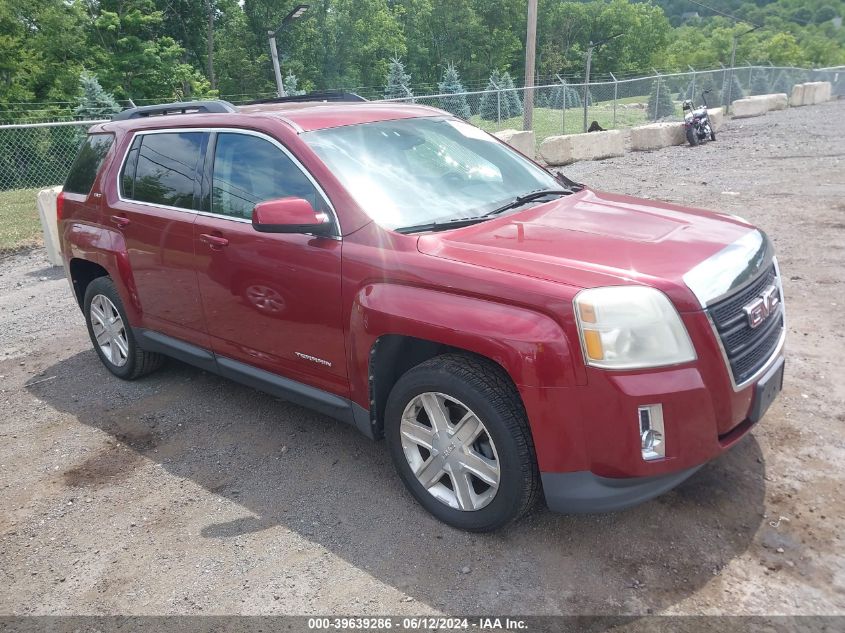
column 184, row 493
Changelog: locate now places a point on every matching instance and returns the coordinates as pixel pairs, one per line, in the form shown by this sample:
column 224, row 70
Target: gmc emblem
column 762, row 307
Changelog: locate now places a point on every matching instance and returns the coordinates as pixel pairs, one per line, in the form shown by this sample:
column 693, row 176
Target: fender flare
column 531, row 347
column 107, row 248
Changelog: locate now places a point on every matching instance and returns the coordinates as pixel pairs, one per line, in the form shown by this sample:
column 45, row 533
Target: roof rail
column 182, row 107
column 322, row 95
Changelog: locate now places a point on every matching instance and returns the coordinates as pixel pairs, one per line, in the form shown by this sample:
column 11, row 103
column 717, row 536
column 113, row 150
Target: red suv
column 508, row 331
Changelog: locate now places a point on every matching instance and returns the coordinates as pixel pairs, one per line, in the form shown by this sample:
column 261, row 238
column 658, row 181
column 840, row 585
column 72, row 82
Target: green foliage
column 760, row 83
column 514, row 97
column 493, row 105
column 95, row 103
column 158, row 50
column 660, row 102
column 452, row 85
column 289, row 83
column 398, row 81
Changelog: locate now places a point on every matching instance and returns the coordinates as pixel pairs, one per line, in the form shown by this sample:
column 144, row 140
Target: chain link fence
column 40, row 154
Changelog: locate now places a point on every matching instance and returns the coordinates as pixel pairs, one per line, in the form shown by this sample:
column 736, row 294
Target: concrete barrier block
column 797, row 97
column 717, row 118
column 817, row 92
column 778, row 101
column 826, row 91
column 46, row 203
column 562, row 150
column 521, row 141
column 743, row 108
column 772, row 101
column 657, row 135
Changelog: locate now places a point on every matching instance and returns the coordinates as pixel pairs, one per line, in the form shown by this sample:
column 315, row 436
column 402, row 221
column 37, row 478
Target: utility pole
column 280, row 87
column 733, row 59
column 587, row 81
column 590, row 48
column 294, row 14
column 530, row 53
column 210, row 44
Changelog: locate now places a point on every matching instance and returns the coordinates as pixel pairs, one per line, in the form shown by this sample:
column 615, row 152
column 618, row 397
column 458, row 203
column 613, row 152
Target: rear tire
column 448, row 468
column 112, row 335
column 692, row 137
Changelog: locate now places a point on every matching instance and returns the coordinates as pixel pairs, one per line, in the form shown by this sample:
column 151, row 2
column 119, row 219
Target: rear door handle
column 120, row 221
column 216, row 242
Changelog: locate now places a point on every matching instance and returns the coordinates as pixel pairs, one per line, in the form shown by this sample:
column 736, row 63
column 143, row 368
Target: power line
column 723, row 13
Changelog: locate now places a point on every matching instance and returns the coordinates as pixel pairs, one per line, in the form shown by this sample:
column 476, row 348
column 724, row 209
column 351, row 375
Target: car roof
column 301, row 117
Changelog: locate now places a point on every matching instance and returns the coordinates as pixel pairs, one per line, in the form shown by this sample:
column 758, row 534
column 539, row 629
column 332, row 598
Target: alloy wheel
column 450, row 451
column 109, row 330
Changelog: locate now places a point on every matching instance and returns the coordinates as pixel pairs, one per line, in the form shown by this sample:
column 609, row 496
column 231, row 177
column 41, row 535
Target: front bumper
column 583, row 492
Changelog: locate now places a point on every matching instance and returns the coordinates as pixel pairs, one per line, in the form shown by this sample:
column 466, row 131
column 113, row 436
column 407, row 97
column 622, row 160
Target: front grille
column 747, row 349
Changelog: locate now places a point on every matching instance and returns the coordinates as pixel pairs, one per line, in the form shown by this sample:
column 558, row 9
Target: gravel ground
column 183, row 493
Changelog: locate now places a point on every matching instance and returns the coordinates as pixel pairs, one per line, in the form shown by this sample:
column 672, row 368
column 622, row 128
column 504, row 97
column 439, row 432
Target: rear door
column 270, row 300
column 158, row 193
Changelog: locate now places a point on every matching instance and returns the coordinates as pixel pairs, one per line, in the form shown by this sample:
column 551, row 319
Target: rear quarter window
column 88, row 161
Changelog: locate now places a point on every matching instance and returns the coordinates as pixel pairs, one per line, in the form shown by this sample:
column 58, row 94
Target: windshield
column 415, row 171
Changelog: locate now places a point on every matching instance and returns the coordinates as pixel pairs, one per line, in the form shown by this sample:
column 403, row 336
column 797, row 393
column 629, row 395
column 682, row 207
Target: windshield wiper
column 459, row 222
column 440, row 226
column 528, row 197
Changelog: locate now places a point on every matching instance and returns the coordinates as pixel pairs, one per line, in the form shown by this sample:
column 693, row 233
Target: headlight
column 631, row 327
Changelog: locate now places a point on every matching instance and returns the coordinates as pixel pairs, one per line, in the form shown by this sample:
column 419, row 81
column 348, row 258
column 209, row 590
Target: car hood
column 592, row 239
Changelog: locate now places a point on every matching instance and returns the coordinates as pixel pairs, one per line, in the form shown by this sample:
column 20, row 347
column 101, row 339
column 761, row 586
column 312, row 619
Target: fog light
column 652, row 441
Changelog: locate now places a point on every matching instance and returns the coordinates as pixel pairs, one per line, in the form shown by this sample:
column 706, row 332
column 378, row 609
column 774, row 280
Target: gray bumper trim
column 583, row 492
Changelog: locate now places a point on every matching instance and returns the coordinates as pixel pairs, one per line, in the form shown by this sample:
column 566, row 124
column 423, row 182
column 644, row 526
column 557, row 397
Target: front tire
column 459, row 438
column 692, row 136
column 112, row 335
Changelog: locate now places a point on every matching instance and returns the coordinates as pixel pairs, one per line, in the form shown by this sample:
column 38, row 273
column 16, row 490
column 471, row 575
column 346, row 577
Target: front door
column 270, row 300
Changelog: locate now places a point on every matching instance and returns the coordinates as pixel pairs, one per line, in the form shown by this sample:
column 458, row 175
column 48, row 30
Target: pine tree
column 94, row 103
column 660, row 102
column 782, row 84
column 573, row 97
column 290, row 85
column 452, row 85
column 398, row 81
column 490, row 104
column 514, row 99
column 736, row 88
column 760, row 83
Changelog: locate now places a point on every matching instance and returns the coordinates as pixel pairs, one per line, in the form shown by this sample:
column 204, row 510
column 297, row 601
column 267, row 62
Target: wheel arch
column 82, row 272
column 394, row 328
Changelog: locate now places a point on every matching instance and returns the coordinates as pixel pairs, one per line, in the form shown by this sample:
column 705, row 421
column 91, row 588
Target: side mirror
column 289, row 215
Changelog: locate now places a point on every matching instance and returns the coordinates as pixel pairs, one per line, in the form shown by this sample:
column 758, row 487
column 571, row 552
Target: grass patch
column 19, row 223
column 553, row 122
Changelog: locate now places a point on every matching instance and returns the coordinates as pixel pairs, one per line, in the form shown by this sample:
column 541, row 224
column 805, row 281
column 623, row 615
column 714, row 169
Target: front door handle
column 216, row 242
column 120, row 221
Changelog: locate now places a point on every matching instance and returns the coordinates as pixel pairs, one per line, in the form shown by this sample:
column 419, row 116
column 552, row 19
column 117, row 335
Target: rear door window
column 166, row 169
column 88, row 161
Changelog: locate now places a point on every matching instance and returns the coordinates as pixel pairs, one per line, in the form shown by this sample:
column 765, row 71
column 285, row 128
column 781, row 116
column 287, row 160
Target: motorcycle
column 697, row 123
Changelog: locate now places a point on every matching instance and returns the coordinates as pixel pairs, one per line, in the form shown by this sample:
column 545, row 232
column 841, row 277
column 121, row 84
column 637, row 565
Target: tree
column 397, row 81
column 514, row 98
column 782, row 83
column 736, row 88
column 565, row 96
column 760, row 83
column 493, row 106
column 660, row 102
column 452, row 85
column 289, row 83
column 94, row 103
